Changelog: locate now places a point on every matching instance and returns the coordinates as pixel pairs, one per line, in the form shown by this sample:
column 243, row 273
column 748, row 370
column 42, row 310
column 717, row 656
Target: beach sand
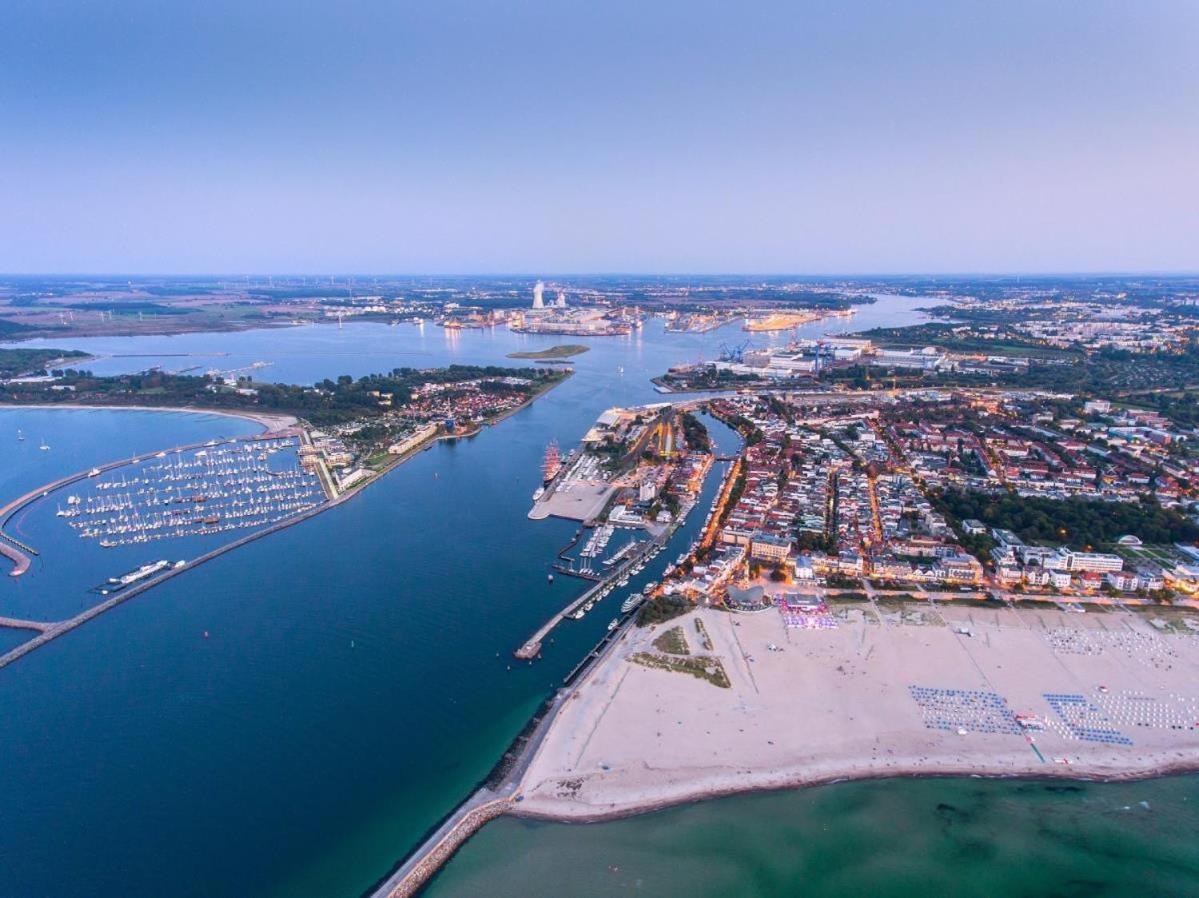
column 839, row 704
column 272, row 421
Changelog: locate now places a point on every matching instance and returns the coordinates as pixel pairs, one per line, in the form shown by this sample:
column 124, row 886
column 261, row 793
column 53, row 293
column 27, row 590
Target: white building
column 1092, row 561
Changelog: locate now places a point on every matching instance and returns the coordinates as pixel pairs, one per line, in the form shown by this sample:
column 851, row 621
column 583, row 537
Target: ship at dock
column 114, row 584
column 552, row 463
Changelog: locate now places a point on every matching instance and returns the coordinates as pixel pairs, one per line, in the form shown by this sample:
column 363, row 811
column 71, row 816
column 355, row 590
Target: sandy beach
column 269, row 420
column 914, row 693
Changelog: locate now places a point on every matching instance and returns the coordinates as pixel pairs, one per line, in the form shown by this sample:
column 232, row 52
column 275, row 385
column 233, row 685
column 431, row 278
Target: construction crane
column 733, row 353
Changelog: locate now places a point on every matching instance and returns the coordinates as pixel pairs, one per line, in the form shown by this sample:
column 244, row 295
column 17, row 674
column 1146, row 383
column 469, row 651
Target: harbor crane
column 733, row 353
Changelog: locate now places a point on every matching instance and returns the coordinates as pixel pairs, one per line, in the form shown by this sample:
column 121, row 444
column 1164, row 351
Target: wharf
column 532, row 646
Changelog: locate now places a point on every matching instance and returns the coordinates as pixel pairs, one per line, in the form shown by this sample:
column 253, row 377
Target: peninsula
column 871, row 598
column 888, row 583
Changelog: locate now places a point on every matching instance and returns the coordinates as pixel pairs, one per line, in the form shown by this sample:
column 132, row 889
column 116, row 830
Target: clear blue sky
column 598, row 135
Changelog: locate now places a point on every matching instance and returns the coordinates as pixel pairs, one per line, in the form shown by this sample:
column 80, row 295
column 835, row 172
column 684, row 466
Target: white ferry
column 146, row 570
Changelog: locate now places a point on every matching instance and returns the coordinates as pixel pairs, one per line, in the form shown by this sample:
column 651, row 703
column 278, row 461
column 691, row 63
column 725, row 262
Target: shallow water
column 901, row 838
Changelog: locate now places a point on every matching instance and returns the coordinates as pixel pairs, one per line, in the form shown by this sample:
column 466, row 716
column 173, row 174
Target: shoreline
column 271, row 421
column 820, row 706
column 702, row 795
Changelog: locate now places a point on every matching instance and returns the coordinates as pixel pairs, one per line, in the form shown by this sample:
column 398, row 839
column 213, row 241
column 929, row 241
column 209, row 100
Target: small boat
column 20, row 436
column 45, row 446
column 551, row 578
column 613, row 624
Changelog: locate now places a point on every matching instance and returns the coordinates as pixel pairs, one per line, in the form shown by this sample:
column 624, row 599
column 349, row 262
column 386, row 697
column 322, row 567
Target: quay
column 532, row 646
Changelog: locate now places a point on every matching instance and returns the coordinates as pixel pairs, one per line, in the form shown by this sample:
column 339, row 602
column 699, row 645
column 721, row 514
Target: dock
column 19, row 552
column 532, row 646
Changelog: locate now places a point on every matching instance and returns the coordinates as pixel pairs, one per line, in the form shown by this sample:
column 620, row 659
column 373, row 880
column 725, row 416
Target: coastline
column 851, row 773
column 270, row 421
column 824, row 707
column 508, row 795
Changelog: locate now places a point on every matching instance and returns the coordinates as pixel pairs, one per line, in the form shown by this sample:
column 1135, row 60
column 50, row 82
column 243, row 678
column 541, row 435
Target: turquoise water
column 357, row 679
column 902, row 838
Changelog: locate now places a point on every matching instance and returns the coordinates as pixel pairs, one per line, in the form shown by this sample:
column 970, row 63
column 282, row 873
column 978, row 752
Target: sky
column 446, row 136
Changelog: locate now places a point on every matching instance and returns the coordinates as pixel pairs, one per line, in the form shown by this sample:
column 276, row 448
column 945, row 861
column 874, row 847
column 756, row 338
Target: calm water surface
column 357, row 679
column 901, row 838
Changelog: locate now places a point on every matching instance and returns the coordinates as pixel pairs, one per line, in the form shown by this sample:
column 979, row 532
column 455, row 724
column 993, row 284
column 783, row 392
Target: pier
column 532, row 646
column 52, row 630
column 18, row 555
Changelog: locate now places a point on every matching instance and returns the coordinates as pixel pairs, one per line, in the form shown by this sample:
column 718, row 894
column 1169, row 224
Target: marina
column 214, row 489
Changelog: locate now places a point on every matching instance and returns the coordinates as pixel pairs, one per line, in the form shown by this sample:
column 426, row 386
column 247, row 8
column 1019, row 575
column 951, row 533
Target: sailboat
column 20, row 436
column 44, row 445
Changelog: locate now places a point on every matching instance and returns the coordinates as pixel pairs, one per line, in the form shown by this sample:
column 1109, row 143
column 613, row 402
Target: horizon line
column 1096, row 273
